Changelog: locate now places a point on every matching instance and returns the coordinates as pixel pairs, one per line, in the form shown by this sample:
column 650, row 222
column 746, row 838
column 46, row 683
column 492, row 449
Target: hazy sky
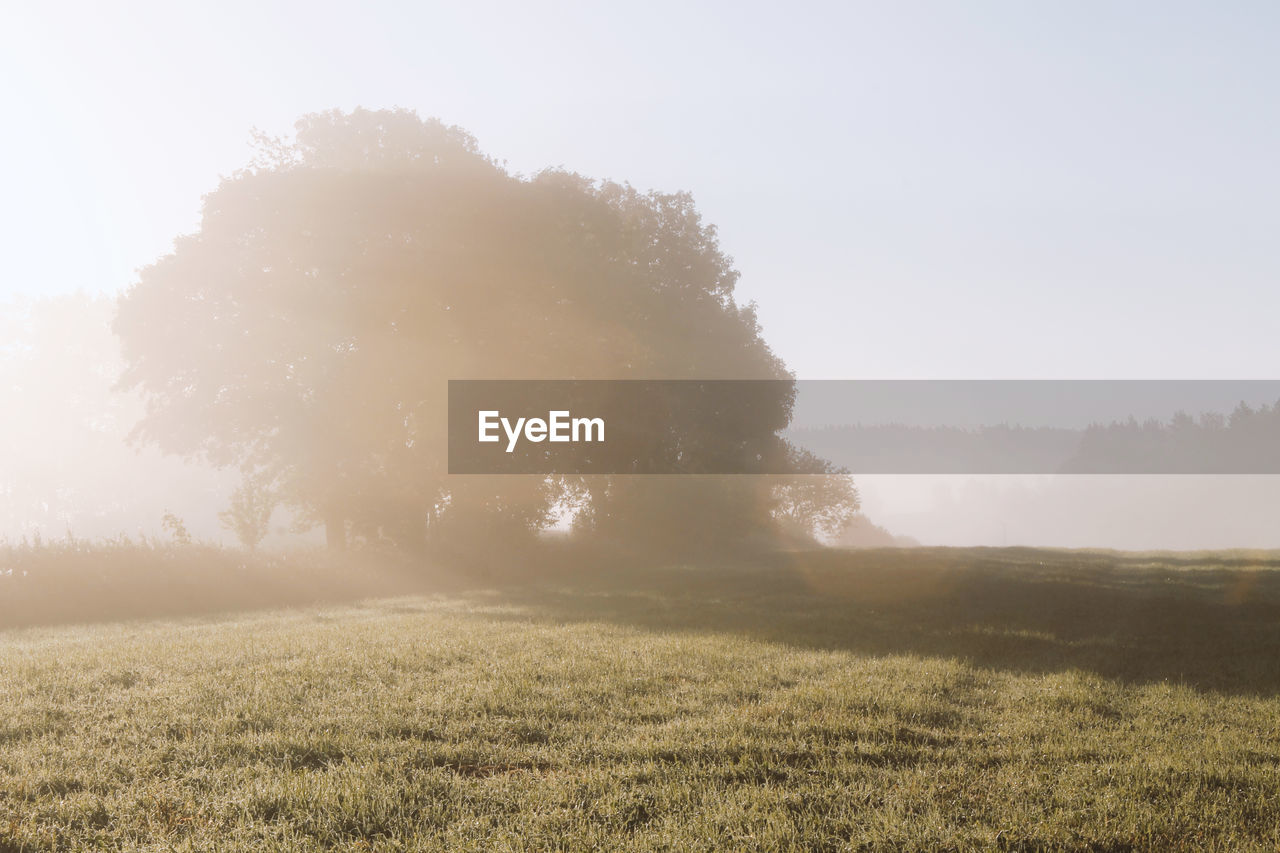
column 985, row 190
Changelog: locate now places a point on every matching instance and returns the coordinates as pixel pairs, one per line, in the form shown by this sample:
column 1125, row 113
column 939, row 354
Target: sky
column 981, row 190
column 910, row 190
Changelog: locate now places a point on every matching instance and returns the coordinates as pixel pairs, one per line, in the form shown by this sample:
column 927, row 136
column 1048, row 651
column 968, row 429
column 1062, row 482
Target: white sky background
column 910, row 190
column 943, row 190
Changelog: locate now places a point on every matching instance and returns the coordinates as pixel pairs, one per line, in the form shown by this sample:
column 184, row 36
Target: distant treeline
column 76, row 580
column 80, row 581
column 1245, row 442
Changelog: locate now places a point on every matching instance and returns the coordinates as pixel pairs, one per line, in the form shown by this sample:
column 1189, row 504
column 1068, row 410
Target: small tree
column 250, row 512
column 819, row 500
column 177, row 528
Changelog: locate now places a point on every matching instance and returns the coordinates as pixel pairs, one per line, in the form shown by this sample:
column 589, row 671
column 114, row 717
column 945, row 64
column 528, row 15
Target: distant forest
column 1245, row 442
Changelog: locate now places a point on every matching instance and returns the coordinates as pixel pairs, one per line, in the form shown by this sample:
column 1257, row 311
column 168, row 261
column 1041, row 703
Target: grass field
column 916, row 700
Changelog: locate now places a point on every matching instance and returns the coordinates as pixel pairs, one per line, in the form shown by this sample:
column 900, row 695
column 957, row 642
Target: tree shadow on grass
column 1211, row 623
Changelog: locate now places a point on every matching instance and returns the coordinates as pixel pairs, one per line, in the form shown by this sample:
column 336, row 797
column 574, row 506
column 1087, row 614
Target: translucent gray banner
column 865, row 426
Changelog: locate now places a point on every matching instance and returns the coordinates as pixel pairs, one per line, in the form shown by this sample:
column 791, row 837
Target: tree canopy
column 307, row 330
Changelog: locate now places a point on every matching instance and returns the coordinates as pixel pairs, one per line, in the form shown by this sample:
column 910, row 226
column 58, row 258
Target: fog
column 69, row 469
column 1129, row 512
column 909, row 191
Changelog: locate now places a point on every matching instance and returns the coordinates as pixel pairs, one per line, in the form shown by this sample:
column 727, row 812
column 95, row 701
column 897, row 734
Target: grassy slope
column 923, row 700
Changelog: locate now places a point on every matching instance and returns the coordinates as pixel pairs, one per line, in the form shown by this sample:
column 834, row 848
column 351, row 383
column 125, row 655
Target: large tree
column 307, row 330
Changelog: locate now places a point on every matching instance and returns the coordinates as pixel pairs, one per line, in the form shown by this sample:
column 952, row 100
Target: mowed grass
column 924, row 700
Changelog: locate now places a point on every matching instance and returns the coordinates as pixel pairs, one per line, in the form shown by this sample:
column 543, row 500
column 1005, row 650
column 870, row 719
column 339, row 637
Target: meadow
column 925, row 699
